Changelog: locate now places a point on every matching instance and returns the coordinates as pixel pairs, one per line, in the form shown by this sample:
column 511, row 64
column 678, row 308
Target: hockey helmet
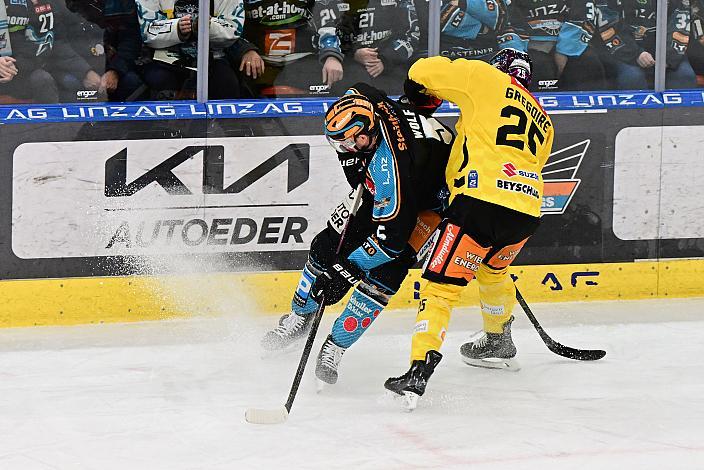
column 350, row 116
column 514, row 63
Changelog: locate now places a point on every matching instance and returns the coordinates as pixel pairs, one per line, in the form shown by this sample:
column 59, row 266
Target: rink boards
column 140, row 298
column 149, row 211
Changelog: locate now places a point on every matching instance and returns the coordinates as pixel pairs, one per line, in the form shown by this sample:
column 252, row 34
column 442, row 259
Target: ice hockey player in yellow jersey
column 504, row 138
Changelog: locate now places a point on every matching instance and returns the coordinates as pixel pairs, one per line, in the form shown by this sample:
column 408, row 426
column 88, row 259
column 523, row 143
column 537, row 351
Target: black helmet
column 515, row 63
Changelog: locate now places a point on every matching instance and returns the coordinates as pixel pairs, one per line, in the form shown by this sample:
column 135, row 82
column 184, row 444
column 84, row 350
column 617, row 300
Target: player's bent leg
column 433, row 318
column 493, row 347
column 453, row 262
column 365, row 305
column 431, row 325
column 294, row 326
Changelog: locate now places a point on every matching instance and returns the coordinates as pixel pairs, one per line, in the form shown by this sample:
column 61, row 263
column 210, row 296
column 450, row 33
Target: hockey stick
column 554, row 346
column 280, row 415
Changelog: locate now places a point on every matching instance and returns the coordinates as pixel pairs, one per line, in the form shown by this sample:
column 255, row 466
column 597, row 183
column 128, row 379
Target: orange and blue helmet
column 348, row 117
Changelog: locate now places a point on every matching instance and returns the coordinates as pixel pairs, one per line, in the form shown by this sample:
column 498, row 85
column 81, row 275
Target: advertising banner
column 181, row 196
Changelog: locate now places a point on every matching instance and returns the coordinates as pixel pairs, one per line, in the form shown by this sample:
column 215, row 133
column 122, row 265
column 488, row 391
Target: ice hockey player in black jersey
column 400, row 157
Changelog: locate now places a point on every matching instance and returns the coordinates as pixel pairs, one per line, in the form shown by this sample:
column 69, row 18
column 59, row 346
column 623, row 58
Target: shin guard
column 436, row 303
column 497, row 296
column 303, row 302
column 365, row 304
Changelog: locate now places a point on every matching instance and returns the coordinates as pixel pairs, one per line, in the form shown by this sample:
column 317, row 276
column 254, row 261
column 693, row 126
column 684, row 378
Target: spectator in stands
column 379, row 38
column 556, row 34
column 105, row 34
column 26, row 41
column 170, row 30
column 695, row 55
column 298, row 42
column 468, row 29
column 627, row 31
column 423, row 15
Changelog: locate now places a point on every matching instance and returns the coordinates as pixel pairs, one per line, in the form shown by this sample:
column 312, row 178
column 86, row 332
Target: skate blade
column 410, row 401
column 494, row 363
column 407, row 400
column 319, row 385
column 274, row 353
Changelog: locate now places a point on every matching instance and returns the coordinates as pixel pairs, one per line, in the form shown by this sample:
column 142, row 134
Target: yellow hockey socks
column 497, row 295
column 436, row 302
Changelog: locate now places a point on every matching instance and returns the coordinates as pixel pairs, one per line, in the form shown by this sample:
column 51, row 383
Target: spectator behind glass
column 379, row 37
column 695, row 51
column 556, row 35
column 302, row 56
column 105, row 33
column 627, row 31
column 26, row 42
column 469, row 28
column 170, row 30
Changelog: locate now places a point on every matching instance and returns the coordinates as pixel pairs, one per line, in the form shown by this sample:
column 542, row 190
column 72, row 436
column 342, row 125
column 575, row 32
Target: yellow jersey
column 504, row 136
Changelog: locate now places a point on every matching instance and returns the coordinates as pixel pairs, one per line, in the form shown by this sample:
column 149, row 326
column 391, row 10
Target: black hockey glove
column 336, row 280
column 424, row 104
column 344, row 269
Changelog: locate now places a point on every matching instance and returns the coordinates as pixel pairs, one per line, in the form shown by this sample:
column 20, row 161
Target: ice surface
column 171, row 395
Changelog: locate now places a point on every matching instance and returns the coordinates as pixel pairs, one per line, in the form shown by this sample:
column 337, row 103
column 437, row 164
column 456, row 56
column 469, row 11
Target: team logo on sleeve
column 559, row 177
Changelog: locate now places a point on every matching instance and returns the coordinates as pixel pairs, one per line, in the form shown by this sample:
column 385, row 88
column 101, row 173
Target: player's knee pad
column 364, row 306
column 497, row 295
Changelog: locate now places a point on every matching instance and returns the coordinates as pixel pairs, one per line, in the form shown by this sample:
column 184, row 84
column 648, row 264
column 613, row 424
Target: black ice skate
column 411, row 385
column 291, row 329
column 328, row 360
column 492, row 350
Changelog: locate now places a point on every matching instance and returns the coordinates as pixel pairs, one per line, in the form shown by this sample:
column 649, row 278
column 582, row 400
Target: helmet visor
column 342, row 146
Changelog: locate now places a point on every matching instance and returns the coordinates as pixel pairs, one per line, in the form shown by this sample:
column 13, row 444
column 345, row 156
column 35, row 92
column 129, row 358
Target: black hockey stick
column 554, row 346
column 279, row 415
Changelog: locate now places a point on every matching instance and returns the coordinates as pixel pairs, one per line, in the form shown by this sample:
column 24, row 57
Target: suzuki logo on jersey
column 510, row 170
column 559, row 179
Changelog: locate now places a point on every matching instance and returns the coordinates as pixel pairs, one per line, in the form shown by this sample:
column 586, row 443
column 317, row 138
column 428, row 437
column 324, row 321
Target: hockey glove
column 336, row 280
column 344, row 270
column 424, row 104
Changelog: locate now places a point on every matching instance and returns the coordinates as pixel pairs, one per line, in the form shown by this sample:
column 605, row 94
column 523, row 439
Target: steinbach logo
column 559, row 177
